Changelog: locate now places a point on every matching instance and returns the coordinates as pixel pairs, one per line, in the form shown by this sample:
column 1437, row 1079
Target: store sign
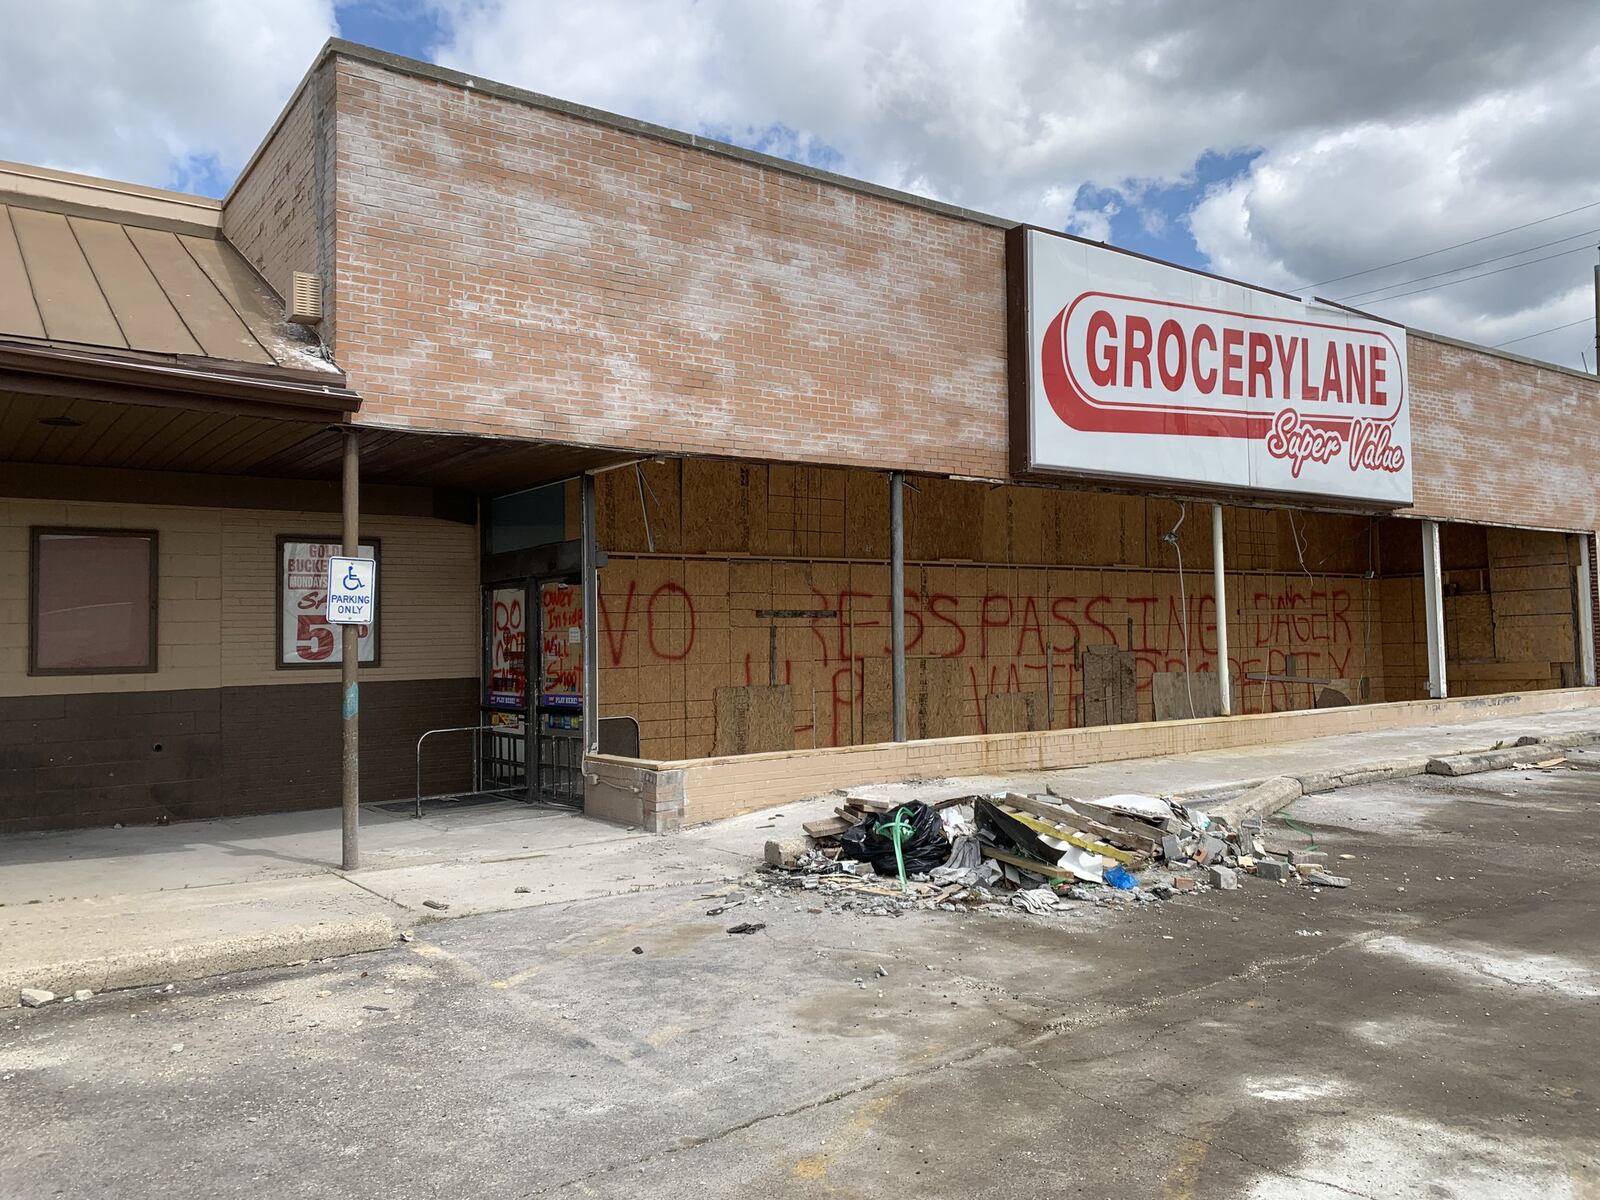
column 1137, row 370
column 306, row 636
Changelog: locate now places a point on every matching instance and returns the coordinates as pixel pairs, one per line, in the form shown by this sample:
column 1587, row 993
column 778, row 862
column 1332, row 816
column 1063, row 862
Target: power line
column 1433, row 287
column 1482, row 262
column 1469, row 242
column 1541, row 333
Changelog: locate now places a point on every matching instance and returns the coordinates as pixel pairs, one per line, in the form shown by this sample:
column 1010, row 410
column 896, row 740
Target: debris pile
column 1031, row 853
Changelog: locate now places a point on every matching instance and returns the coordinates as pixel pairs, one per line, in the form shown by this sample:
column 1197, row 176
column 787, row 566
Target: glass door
column 505, row 692
column 558, row 712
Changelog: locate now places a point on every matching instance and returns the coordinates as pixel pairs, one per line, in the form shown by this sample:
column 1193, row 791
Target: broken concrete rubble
column 1032, row 855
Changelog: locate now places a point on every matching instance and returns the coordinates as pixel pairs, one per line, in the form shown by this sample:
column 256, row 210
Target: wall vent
column 305, row 303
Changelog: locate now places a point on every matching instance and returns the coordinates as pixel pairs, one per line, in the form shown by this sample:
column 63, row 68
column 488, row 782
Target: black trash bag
column 923, row 849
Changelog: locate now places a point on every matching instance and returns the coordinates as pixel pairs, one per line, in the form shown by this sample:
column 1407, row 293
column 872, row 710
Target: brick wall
column 506, row 268
column 1502, row 441
column 512, row 270
column 273, row 215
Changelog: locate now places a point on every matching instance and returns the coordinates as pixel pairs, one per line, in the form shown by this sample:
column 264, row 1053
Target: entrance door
column 505, row 690
column 534, row 740
column 558, row 724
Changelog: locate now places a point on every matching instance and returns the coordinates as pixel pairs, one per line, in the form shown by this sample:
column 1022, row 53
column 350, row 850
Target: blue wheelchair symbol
column 351, row 579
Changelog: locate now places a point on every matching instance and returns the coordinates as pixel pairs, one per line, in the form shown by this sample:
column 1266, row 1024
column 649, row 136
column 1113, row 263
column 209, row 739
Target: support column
column 349, row 663
column 591, row 621
column 1586, row 674
column 1220, row 583
column 1433, row 610
column 897, row 599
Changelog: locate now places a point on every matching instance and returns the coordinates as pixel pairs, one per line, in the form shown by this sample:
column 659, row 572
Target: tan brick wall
column 272, row 215
column 218, row 589
column 507, row 269
column 1502, row 441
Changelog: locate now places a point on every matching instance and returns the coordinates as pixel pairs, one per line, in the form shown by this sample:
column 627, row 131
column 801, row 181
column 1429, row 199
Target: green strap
column 897, row 830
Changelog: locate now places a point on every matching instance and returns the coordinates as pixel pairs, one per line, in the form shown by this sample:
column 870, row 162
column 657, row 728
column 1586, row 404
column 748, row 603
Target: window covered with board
column 92, row 601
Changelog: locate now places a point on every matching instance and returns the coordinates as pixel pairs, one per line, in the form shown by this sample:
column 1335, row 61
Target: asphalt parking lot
column 1427, row 1032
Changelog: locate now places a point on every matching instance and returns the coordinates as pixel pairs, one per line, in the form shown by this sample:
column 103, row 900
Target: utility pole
column 1597, row 317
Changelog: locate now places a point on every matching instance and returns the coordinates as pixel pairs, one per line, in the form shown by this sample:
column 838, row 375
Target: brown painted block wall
column 133, row 757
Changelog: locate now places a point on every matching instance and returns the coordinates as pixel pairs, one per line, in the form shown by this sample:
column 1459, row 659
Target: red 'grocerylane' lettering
column 1263, row 366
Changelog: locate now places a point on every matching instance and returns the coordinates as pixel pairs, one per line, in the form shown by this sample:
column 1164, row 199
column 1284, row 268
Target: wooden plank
column 68, row 295
column 1072, row 837
column 827, row 827
column 1185, row 695
column 1027, row 864
column 147, row 318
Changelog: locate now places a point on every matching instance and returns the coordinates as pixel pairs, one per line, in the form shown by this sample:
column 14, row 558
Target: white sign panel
column 352, row 590
column 1143, row 371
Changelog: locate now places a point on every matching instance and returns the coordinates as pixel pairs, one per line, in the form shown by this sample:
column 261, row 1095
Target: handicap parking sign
column 352, row 591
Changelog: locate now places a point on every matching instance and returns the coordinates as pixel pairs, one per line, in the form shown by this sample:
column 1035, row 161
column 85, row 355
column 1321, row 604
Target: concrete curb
column 1254, row 799
column 150, row 966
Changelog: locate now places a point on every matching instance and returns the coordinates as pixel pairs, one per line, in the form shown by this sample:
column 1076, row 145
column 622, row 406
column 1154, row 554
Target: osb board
column 753, row 720
column 866, row 507
column 1469, row 626
column 721, row 501
column 1015, row 712
column 936, row 709
column 1173, row 692
column 1533, row 639
column 620, row 513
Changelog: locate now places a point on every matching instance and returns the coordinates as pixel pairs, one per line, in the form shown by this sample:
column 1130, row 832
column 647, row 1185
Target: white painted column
column 1433, row 609
column 1585, row 612
column 1220, row 583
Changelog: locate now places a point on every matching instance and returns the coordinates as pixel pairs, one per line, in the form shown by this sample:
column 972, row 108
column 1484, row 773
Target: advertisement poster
column 306, row 638
column 508, row 650
column 561, row 645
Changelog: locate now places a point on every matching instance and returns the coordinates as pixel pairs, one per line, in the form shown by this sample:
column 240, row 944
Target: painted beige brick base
column 663, row 796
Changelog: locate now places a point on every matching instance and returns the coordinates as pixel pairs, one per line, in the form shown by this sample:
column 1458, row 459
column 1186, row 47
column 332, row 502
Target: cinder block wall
column 218, row 729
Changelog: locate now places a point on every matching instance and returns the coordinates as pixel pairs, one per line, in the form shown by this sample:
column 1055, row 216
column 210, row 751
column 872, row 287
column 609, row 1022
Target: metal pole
column 897, row 600
column 591, row 622
column 1433, row 610
column 349, row 662
column 1597, row 319
column 1220, row 586
column 1586, row 675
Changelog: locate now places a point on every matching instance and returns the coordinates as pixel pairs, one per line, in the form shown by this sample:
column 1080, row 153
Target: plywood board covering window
column 92, row 601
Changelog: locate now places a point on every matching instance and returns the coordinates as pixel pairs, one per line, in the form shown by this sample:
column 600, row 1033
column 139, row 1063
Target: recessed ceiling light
column 61, row 422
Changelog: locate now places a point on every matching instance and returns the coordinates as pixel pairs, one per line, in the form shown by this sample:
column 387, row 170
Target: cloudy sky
column 1293, row 143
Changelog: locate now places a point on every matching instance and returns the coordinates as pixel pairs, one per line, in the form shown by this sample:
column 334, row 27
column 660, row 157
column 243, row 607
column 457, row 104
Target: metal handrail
column 476, row 757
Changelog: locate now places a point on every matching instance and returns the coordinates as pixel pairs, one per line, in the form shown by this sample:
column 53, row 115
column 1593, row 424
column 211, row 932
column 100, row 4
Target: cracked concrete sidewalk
column 116, row 908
